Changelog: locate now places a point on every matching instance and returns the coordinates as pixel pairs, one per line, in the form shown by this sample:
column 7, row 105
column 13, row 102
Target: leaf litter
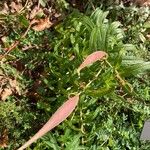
column 8, row 87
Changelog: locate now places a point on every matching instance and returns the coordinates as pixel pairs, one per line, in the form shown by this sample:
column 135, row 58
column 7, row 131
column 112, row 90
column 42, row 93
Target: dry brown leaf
column 35, row 12
column 5, row 9
column 42, row 24
column 34, row 21
column 1, row 90
column 6, row 92
column 14, row 85
column 4, row 139
column 143, row 2
column 15, row 7
column 4, row 39
column 147, row 3
column 8, row 86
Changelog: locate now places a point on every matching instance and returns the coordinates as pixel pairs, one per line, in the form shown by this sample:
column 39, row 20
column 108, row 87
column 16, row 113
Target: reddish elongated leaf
column 60, row 115
column 98, row 55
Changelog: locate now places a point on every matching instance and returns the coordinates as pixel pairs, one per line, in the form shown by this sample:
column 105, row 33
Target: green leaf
column 88, row 23
column 147, row 24
column 99, row 92
column 23, row 21
column 42, row 2
column 135, row 69
column 130, row 47
column 51, row 141
column 142, row 38
column 99, row 17
column 130, row 60
column 93, row 38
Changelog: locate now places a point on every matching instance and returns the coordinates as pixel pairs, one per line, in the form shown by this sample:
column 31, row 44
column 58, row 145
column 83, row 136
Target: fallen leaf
column 5, row 9
column 34, row 21
column 14, row 85
column 60, row 115
column 36, row 11
column 42, row 24
column 4, row 39
column 147, row 3
column 7, row 92
column 142, row 2
column 15, row 7
column 4, row 139
column 98, row 55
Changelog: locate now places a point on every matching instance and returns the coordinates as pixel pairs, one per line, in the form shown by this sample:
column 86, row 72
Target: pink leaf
column 60, row 115
column 98, row 55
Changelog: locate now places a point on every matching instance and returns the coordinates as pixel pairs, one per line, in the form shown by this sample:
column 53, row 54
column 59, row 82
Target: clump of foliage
column 114, row 105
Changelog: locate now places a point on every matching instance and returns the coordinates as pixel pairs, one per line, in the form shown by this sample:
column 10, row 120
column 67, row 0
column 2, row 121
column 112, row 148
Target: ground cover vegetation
column 44, row 42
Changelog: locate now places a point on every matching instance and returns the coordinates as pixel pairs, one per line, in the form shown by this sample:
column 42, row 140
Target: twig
column 28, row 47
column 23, row 7
column 95, row 77
column 122, row 81
column 10, row 48
column 15, row 43
column 24, row 35
column 93, row 7
column 38, row 6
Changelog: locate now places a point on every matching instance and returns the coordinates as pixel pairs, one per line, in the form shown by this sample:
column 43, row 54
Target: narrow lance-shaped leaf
column 59, row 116
column 98, row 55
